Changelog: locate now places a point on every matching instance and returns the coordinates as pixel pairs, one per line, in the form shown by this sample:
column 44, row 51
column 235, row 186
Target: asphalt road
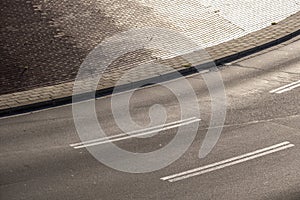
column 37, row 161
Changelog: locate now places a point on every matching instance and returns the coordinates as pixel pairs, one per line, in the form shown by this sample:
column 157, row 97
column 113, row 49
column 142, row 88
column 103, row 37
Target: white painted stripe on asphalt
column 132, row 132
column 286, row 87
column 232, row 163
column 136, row 135
column 228, row 162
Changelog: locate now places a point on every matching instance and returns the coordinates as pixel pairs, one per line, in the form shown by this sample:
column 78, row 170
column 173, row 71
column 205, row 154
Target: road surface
column 256, row 157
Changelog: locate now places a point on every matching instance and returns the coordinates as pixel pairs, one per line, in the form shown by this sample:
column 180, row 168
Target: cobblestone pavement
column 43, row 45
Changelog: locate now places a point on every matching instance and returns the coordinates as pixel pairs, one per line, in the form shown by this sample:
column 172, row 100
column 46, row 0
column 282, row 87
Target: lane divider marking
column 133, row 134
column 227, row 162
column 286, row 88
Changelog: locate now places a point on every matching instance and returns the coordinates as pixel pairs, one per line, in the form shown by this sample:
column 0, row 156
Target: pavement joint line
column 228, row 162
column 104, row 140
column 286, row 88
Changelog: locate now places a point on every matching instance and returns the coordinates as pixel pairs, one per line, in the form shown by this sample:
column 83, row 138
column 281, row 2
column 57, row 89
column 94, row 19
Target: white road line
column 286, row 88
column 228, row 162
column 132, row 132
column 136, row 135
column 232, row 163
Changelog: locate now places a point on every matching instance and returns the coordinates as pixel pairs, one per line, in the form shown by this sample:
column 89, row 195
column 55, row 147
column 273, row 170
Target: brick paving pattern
column 34, row 49
column 45, row 43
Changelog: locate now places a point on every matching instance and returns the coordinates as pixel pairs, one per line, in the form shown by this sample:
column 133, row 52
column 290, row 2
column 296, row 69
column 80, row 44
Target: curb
column 165, row 77
column 257, row 48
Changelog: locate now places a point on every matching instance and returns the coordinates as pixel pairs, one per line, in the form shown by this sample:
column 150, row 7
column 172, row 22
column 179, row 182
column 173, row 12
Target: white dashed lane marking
column 286, row 88
column 134, row 134
column 228, row 162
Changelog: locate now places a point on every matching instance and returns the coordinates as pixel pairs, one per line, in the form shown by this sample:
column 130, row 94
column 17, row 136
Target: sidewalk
column 55, row 94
